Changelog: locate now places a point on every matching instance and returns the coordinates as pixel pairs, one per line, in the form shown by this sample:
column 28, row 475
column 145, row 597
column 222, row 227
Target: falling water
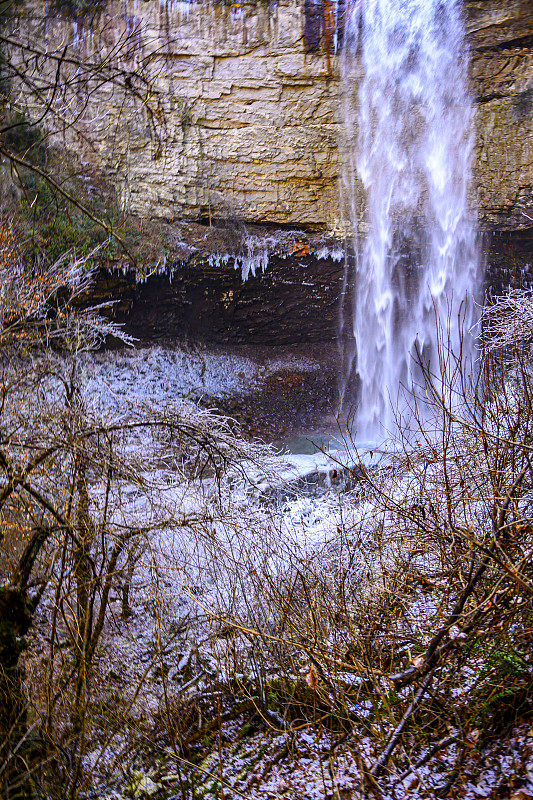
column 409, row 144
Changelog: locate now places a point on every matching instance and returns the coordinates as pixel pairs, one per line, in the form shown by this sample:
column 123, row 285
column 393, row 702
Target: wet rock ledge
column 224, row 284
column 233, row 285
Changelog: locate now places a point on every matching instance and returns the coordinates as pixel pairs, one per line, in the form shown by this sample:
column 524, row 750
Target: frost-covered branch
column 508, row 320
column 41, row 304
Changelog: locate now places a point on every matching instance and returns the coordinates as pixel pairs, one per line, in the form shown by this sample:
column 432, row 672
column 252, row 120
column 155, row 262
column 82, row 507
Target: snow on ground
column 210, row 550
column 182, row 570
column 164, row 375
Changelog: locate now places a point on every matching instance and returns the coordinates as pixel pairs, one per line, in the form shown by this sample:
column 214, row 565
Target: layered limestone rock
column 501, row 35
column 246, row 125
column 247, row 102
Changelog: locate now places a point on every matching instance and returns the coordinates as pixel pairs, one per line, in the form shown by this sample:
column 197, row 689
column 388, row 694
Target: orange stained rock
column 297, row 248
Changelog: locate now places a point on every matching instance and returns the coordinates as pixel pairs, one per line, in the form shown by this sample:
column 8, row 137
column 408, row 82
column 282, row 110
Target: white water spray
column 409, row 141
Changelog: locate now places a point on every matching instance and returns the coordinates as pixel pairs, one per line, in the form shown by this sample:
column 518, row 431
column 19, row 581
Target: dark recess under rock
column 295, row 301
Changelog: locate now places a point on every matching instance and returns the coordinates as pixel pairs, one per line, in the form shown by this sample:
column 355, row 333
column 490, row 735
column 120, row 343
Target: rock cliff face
column 501, row 37
column 248, row 135
column 249, row 98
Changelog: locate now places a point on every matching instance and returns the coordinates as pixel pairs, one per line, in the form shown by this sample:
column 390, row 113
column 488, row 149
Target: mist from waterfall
column 407, row 172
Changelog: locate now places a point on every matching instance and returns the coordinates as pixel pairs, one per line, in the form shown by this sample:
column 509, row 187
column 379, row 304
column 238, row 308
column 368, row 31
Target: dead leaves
column 312, row 677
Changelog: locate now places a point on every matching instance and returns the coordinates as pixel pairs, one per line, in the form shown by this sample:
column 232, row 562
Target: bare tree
column 52, row 78
column 64, row 467
column 410, row 625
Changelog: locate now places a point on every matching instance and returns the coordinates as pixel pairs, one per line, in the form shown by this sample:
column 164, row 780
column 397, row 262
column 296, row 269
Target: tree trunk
column 15, row 619
column 82, row 565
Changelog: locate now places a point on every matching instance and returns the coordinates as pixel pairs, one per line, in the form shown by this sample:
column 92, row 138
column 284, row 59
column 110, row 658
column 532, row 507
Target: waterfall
column 407, row 173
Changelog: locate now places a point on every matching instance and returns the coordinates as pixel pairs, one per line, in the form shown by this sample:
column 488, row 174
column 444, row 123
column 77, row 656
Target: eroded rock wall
column 249, row 97
column 501, row 37
column 247, row 123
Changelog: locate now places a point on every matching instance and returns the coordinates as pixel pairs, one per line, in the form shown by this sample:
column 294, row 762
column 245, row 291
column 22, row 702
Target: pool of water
column 308, row 444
